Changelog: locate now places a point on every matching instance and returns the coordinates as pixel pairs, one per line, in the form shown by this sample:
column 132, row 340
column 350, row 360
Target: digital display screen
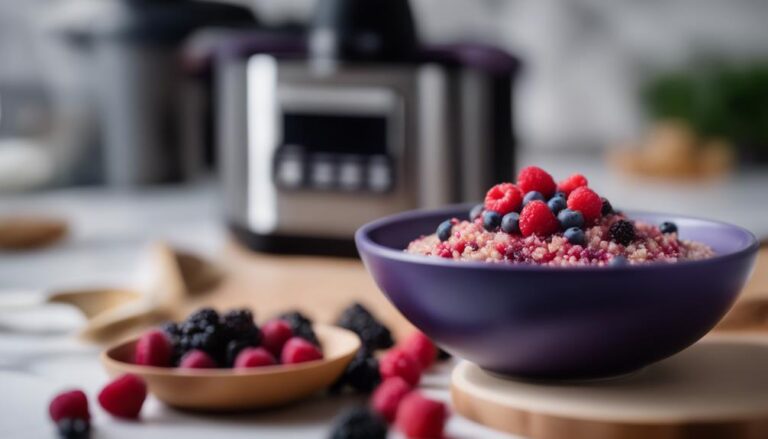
column 336, row 134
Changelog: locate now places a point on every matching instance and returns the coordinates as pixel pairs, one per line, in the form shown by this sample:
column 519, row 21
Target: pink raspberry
column 536, row 179
column 387, row 397
column 503, row 198
column 197, row 359
column 274, row 335
column 419, row 417
column 586, row 201
column 536, row 218
column 398, row 363
column 72, row 404
column 153, row 349
column 254, row 357
column 124, row 396
column 298, row 350
column 421, row 348
column 571, row 183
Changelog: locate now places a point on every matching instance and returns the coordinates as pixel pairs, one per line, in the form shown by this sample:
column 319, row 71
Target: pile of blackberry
column 221, row 337
column 301, row 326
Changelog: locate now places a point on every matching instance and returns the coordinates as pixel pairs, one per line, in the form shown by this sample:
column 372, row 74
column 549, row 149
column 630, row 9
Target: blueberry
column 491, row 220
column 476, row 212
column 511, row 223
column 444, row 230
column 668, row 227
column 570, row 218
column 560, row 194
column 556, row 204
column 531, row 196
column 576, row 236
column 618, row 261
column 607, row 208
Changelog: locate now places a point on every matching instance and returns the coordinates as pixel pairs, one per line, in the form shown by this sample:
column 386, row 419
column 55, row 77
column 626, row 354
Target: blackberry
column 202, row 330
column 358, row 423
column 205, row 317
column 622, row 231
column 73, row 428
column 239, row 325
column 362, row 374
column 233, row 349
column 372, row 333
column 171, row 329
column 301, row 326
column 607, row 208
column 443, row 355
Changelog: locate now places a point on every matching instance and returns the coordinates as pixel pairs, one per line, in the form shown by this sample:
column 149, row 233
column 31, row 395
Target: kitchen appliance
column 355, row 121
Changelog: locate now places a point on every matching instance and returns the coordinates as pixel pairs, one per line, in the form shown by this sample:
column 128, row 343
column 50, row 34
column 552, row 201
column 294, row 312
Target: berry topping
column 575, row 236
column 570, row 218
column 536, row 218
column 444, row 230
column 301, row 326
column 73, row 428
column 359, row 423
column 72, row 404
column 397, row 362
column 362, row 374
column 124, row 396
column 622, row 231
column 298, row 350
column 510, row 223
column 668, row 227
column 557, row 204
column 421, row 348
column 476, row 211
column 586, row 201
column 197, row 359
column 419, row 417
column 491, row 220
column 503, row 198
column 386, row 398
column 536, row 179
column 571, row 183
column 153, row 349
column 618, row 261
column 373, row 334
column 607, row 207
column 274, row 335
column 256, row 357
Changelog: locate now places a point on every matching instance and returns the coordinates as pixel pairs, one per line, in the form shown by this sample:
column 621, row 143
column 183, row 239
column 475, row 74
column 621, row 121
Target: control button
column 350, row 174
column 379, row 174
column 322, row 172
column 290, row 171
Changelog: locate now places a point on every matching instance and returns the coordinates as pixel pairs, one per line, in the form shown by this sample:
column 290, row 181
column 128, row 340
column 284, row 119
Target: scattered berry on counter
column 362, row 374
column 668, row 227
column 373, row 334
column 607, row 207
column 387, row 397
column 73, row 428
column 397, row 362
column 532, row 196
column 570, row 218
column 124, row 397
column 72, row 404
column 503, row 198
column 301, row 326
column 444, row 230
column 274, row 335
column 575, row 236
column 491, row 220
column 443, row 355
column 618, row 261
column 359, row 423
column 299, row 350
column 421, row 348
column 419, row 417
column 556, row 204
column 197, row 359
column 571, row 183
column 622, row 231
column 537, row 219
column 586, row 201
column 153, row 349
column 257, row 357
column 536, row 179
column 510, row 223
column 476, row 211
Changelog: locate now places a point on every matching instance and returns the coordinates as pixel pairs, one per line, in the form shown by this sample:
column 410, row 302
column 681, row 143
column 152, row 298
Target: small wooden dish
column 224, row 390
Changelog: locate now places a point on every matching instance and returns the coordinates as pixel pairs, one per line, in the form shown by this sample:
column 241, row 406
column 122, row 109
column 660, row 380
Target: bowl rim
column 367, row 245
column 323, row 330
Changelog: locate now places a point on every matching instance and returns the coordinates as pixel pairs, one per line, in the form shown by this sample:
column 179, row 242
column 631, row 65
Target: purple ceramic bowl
column 558, row 323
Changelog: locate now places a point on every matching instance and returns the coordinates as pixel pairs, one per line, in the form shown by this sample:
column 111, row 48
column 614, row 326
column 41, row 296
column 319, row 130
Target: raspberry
column 536, row 179
column 358, row 423
column 254, row 357
column 124, row 396
column 153, row 349
column 298, row 350
column 536, row 218
column 586, row 201
column 373, row 334
column 419, row 417
column 421, row 348
column 197, row 359
column 398, row 363
column 275, row 333
column 503, row 198
column 72, row 404
column 622, row 231
column 571, row 183
column 387, row 397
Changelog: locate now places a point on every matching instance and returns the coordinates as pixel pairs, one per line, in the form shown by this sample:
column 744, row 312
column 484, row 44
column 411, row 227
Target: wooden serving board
column 716, row 389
